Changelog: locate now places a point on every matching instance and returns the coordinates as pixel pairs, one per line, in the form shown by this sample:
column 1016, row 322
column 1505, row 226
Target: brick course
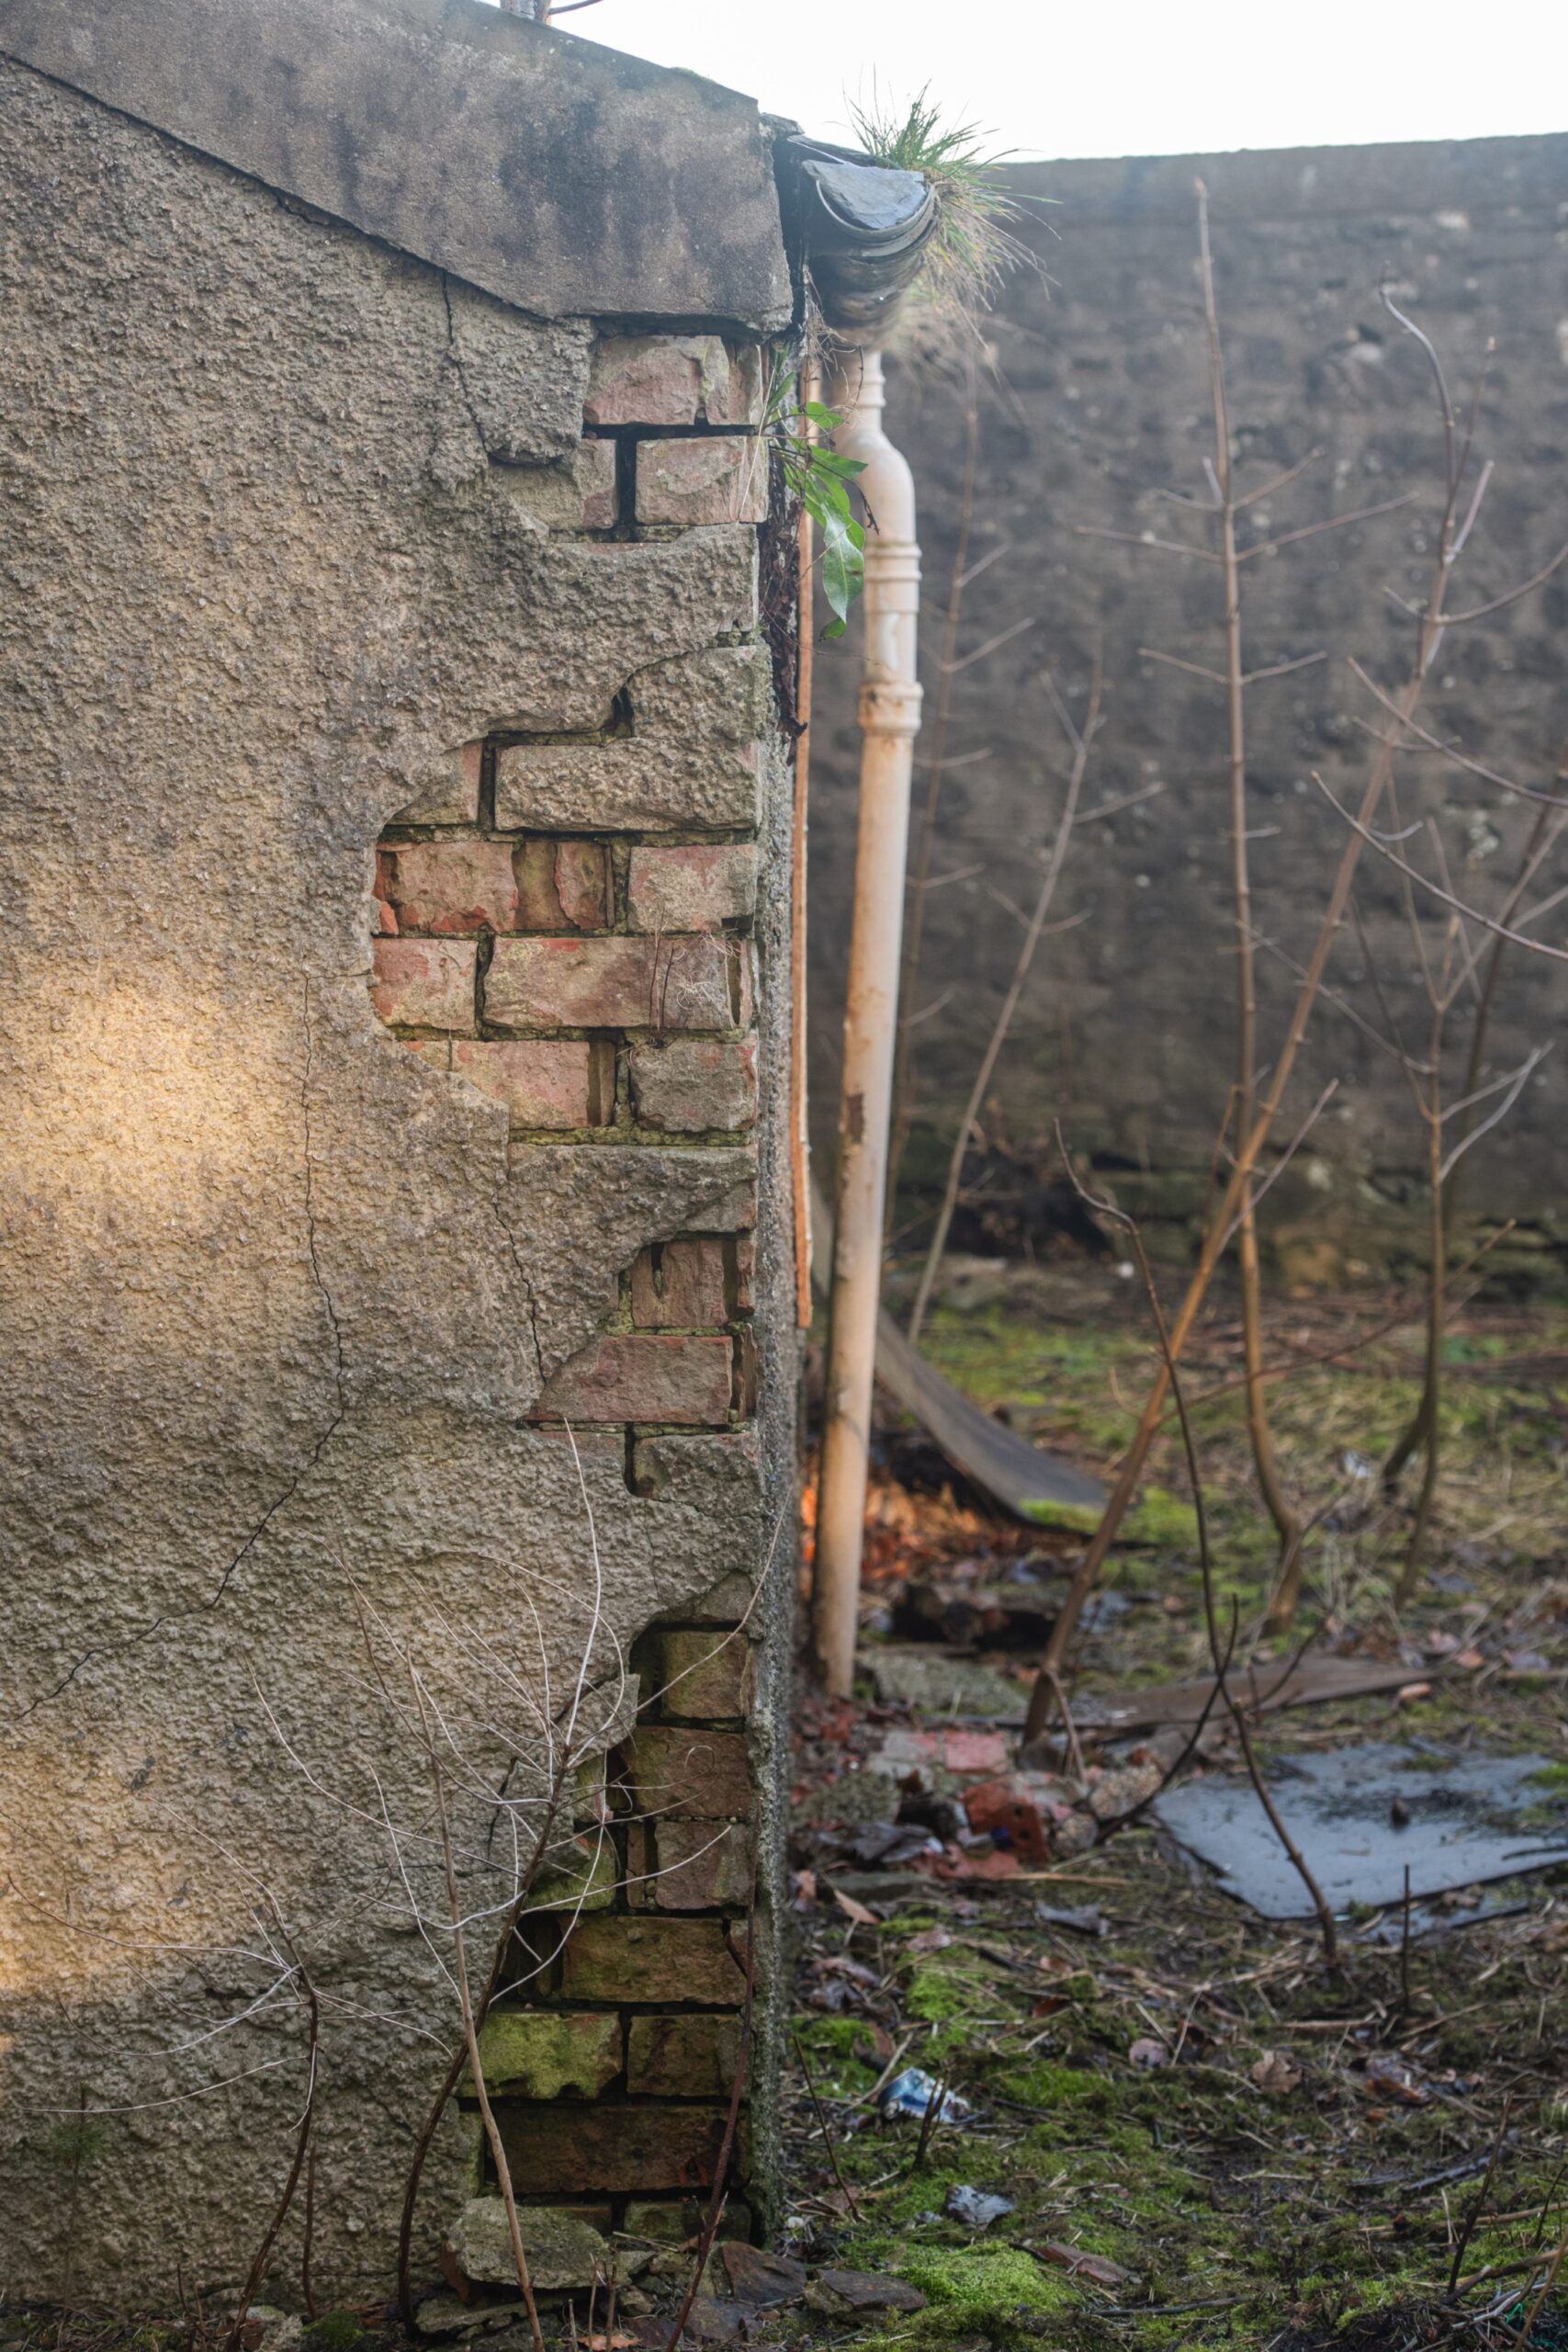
column 611, row 983
column 721, row 480
column 691, row 1086
column 556, row 1084
column 691, row 1775
column 424, row 983
column 693, row 886
column 457, row 886
column 681, row 1286
column 641, row 1377
column 626, row 1957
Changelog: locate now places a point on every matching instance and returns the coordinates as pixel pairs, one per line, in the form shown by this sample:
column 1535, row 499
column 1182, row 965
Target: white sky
column 1128, row 77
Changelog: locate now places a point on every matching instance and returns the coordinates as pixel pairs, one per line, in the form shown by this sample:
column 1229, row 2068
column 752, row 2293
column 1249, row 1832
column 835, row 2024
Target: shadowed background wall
column 1096, row 398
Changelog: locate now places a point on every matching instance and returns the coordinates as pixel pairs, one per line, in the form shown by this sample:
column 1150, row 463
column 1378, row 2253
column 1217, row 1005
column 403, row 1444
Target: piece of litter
column 1086, row 1920
column 1097, row 2267
column 974, row 2207
column 915, row 2093
column 1148, row 2051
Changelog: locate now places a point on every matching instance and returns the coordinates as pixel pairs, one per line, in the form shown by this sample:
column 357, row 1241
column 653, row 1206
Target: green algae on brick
column 540, row 2053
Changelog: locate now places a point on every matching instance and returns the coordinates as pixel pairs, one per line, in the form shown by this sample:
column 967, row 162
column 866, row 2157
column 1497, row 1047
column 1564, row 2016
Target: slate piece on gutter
column 1464, row 1825
column 554, row 173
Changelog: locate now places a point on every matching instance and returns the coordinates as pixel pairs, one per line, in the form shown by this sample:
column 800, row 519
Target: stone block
column 450, row 888
column 564, row 2252
column 546, row 2053
column 695, row 1086
column 637, row 1377
column 688, row 1775
column 682, row 2057
column 450, row 795
column 679, row 1286
column 424, row 983
column 612, row 983
column 724, row 480
column 695, row 886
column 626, row 1956
column 689, row 759
column 702, row 1675
column 673, row 379
column 563, row 885
column 549, row 1083
column 557, row 2147
column 699, row 1866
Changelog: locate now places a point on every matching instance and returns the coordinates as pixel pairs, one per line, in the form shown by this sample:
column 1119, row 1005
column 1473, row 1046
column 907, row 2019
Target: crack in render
column 340, row 1373
column 523, row 1276
column 454, row 358
column 279, row 1502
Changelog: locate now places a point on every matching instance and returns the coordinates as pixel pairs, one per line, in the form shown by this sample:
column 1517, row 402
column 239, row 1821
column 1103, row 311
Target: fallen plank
column 1260, row 1690
column 1037, row 1487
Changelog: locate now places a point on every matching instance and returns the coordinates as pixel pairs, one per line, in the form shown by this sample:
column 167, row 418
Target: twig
column 263, row 2255
column 1205, row 1560
column 929, row 2121
column 1082, row 741
column 822, row 2125
column 1467, row 2229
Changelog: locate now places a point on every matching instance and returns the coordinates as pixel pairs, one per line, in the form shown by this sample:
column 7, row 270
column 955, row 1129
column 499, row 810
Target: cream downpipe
column 890, row 717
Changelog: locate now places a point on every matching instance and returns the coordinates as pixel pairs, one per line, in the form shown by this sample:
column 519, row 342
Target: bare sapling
column 1220, row 1653
column 1451, row 977
column 1432, row 621
column 1226, row 507
column 1080, row 742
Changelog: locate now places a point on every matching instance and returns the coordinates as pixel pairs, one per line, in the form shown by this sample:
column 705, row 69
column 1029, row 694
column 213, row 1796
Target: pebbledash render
column 399, row 1291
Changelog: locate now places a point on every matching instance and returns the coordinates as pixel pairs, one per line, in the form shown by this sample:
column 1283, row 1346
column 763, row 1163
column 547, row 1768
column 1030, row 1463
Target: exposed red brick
column 563, row 885
column 679, row 1286
column 555, row 1083
column 701, row 1674
column 626, row 1956
column 745, row 1266
column 384, row 924
column 720, row 481
column 611, row 983
column 556, row 2145
column 424, row 983
column 699, row 1865
column 682, row 2057
column 449, row 886
column 643, row 379
column 689, row 1775
column 635, row 1376
column 692, row 887
column 695, row 1086
column 582, row 884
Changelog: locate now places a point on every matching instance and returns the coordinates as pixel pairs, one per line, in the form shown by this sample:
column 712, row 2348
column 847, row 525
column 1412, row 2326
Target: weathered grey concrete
column 1101, row 400
column 553, row 172
column 277, row 1294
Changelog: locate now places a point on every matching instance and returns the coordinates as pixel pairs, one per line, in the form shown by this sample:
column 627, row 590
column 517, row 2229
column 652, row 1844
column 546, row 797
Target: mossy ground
column 1239, row 2212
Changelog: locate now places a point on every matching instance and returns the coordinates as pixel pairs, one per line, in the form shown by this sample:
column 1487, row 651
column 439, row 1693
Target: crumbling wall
column 396, row 1257
column 1098, row 404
